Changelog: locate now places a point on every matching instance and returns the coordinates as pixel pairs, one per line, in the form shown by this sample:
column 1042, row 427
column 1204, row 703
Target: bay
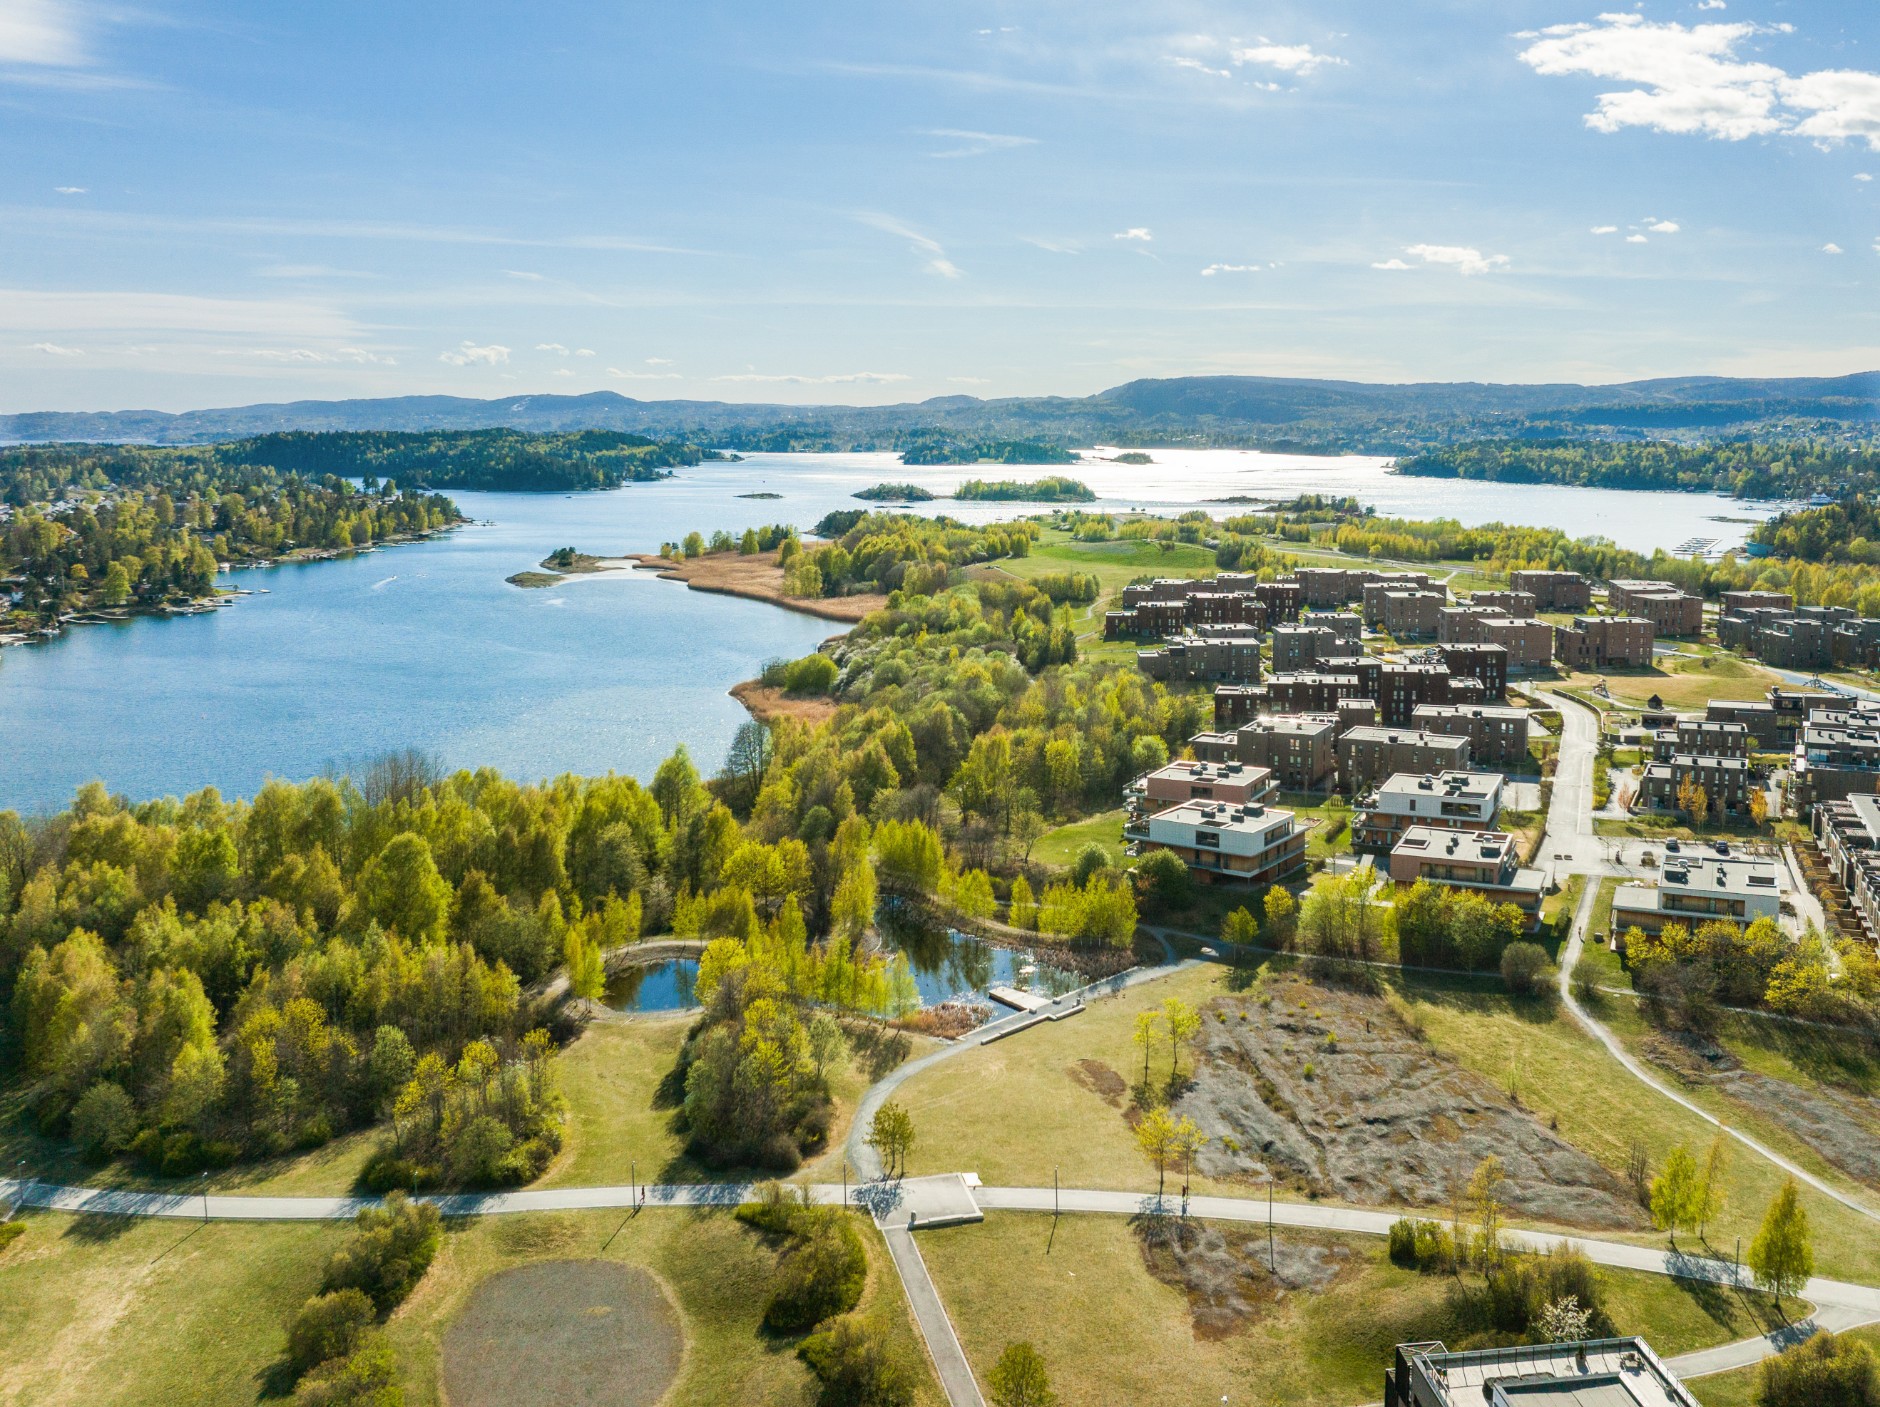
column 427, row 646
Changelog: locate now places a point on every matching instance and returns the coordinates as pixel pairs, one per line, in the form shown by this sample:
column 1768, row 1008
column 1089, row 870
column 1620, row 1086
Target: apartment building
column 1283, row 599
column 1597, row 1373
column 1297, row 648
column 1702, row 738
column 1483, row 862
column 1221, row 843
column 1516, row 605
column 1497, row 734
column 1487, row 662
column 1529, row 643
column 1410, row 615
column 1837, row 755
column 1563, row 592
column 1700, row 889
column 1847, row 835
column 1213, row 658
column 1757, row 717
column 1727, row 783
column 1735, row 602
column 1670, row 610
column 1368, row 755
column 1605, row 642
column 1298, row 749
column 1462, row 625
column 1309, row 691
column 1235, row 783
column 1402, row 687
column 1452, row 800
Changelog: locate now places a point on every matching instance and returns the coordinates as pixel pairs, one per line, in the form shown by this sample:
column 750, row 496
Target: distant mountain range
column 1239, row 411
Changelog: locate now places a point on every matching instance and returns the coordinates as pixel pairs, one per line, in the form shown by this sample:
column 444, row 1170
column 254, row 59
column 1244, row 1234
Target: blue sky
column 207, row 203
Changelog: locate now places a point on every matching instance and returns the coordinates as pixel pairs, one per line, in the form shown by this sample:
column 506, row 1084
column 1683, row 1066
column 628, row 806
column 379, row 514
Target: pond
column 949, row 965
column 653, row 986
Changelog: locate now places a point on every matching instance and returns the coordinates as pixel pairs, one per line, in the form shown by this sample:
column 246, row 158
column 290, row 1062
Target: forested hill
column 1791, row 469
column 496, row 458
column 1241, row 411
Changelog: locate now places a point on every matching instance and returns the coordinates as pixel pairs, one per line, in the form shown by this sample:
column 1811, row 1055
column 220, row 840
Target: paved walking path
column 1569, row 823
column 1839, row 1304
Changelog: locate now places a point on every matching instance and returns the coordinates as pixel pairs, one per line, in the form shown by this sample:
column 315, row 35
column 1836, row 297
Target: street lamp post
column 203, row 1182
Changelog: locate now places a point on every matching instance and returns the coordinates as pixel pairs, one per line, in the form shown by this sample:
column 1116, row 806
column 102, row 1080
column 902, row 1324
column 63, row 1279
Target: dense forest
column 1848, row 531
column 140, row 528
column 471, row 459
column 1052, row 488
column 894, row 493
column 1793, row 469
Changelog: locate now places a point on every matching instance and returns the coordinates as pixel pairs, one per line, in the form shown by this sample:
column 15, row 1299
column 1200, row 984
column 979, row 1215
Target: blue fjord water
column 426, row 646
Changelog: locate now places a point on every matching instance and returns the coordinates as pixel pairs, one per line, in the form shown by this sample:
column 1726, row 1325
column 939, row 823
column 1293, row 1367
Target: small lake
column 952, row 966
column 657, row 986
column 427, row 646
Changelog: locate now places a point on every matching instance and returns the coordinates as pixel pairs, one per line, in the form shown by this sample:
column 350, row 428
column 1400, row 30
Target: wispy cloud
column 659, row 361
column 969, row 143
column 968, row 381
column 41, row 33
column 1465, row 260
column 1393, row 265
column 1213, row 269
column 53, row 349
column 68, row 190
column 526, row 275
column 1605, row 229
column 1053, row 246
column 469, row 354
column 933, row 255
column 1692, row 81
column 584, row 351
column 1188, row 61
column 624, row 375
column 44, row 312
column 871, row 378
column 1136, row 234
column 554, row 347
column 310, row 356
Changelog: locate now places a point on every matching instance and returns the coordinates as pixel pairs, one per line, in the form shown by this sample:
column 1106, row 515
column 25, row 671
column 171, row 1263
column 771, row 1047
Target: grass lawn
column 1682, row 682
column 1114, row 564
column 620, row 1122
column 717, row 1272
column 1648, row 826
column 1060, row 846
column 106, row 1310
column 1738, row 1388
column 1013, row 1110
column 1110, row 1331
column 1562, row 1073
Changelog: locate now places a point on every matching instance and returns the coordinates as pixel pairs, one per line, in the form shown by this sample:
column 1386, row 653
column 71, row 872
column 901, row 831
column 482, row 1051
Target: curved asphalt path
column 1569, row 825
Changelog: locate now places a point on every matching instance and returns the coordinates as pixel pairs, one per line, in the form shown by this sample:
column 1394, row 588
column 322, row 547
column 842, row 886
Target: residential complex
column 1697, row 889
column 1220, row 842
column 1453, row 800
column 1598, row 1373
column 1482, row 862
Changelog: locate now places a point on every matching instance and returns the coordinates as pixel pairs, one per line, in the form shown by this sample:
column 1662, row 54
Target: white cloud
column 310, row 356
column 68, row 190
column 526, row 275
column 53, row 349
column 1466, row 261
column 1184, row 61
column 1605, row 229
column 1287, row 58
column 1663, row 227
column 1636, row 239
column 554, row 347
column 642, row 375
column 1392, row 264
column 584, row 351
column 1213, row 269
column 929, row 249
column 1712, row 5
column 975, row 143
column 1832, row 249
column 1135, row 233
column 1053, row 246
column 469, row 354
column 564, row 371
column 43, row 33
column 1693, row 82
column 873, row 378
column 659, row 361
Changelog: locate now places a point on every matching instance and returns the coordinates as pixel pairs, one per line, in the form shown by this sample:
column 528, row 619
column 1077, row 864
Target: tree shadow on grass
column 276, row 1381
column 99, row 1228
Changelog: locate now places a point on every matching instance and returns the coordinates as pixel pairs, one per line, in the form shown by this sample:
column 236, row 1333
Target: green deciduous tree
column 1782, row 1255
column 1019, row 1378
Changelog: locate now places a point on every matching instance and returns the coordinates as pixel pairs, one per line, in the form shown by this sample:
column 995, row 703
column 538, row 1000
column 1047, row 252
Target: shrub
column 104, row 1119
column 1525, row 968
column 389, row 1253
column 1019, row 1379
column 1421, row 1245
column 822, row 1274
column 367, row 1378
column 813, row 674
column 777, row 1210
column 857, row 1367
column 1164, row 879
column 1828, row 1370
column 328, row 1326
column 1092, row 859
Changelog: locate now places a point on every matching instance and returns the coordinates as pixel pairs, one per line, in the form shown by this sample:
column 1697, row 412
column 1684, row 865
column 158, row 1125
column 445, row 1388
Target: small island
column 894, row 493
column 565, row 562
column 1132, row 456
column 760, row 495
column 1053, row 488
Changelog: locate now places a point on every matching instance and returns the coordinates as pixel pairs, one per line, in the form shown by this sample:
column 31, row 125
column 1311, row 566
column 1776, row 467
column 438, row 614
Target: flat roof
column 1602, row 1373
column 1451, row 784
column 1220, row 815
column 1489, row 847
column 1190, row 770
column 1372, row 733
column 1289, row 723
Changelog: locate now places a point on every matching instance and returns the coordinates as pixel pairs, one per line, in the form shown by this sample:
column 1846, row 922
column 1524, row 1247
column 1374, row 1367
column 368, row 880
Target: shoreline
column 767, row 703
column 760, row 580
column 220, row 598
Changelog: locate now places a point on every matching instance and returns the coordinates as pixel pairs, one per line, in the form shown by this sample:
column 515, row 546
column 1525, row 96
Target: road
column 1570, row 833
